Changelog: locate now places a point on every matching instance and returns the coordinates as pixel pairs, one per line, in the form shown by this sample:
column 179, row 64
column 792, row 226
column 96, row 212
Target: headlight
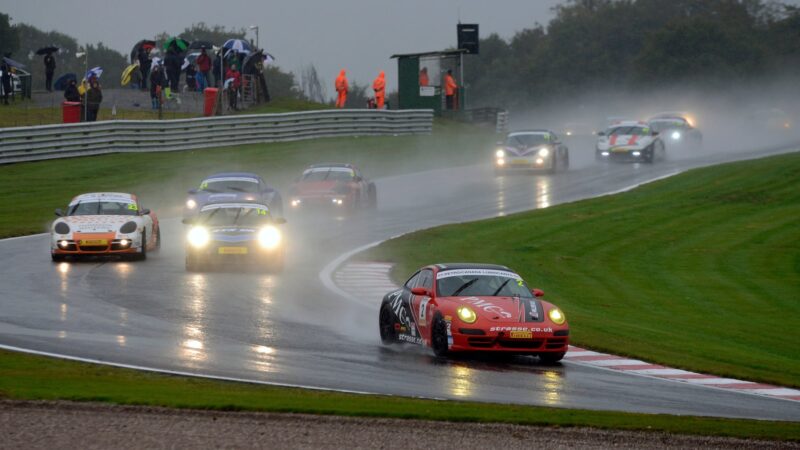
column 500, row 153
column 676, row 135
column 191, row 204
column 124, row 242
column 544, row 152
column 269, row 237
column 501, row 162
column 539, row 161
column 63, row 244
column 466, row 314
column 296, row 202
column 198, row 237
column 61, row 228
column 128, row 227
column 556, row 316
column 637, row 153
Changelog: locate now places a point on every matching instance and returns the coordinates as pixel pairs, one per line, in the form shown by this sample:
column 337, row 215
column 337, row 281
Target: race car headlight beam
column 500, row 153
column 676, row 135
column 556, row 316
column 544, row 152
column 191, row 204
column 269, row 237
column 198, row 237
column 466, row 314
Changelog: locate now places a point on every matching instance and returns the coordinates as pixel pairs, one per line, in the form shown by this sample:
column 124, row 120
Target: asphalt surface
column 289, row 329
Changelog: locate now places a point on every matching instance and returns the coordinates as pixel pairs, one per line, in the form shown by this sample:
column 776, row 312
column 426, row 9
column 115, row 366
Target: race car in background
column 233, row 187
column 773, row 119
column 473, row 308
column 233, row 235
column 104, row 223
column 340, row 187
column 676, row 130
column 630, row 141
column 533, row 150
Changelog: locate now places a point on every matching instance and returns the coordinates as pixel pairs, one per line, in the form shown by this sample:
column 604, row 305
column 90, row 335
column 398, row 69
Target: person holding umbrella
column 49, row 70
column 94, row 96
column 203, row 68
column 144, row 65
column 172, row 64
column 71, row 93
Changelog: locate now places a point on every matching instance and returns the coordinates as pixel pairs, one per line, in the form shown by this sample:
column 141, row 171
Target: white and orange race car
column 630, row 141
column 104, row 223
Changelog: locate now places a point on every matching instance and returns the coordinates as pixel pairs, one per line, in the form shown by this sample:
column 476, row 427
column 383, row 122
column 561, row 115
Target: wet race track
column 289, row 329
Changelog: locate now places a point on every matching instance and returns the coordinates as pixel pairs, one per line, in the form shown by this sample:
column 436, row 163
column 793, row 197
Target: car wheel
column 649, row 156
column 386, row 323
column 551, row 358
column 158, row 238
column 373, row 196
column 57, row 258
column 143, row 255
column 192, row 265
column 566, row 161
column 439, row 336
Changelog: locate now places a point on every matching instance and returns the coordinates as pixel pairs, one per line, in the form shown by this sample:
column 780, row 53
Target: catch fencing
column 127, row 136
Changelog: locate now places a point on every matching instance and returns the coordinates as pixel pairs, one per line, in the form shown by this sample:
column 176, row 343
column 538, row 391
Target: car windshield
column 328, row 175
column 668, row 124
column 481, row 283
column 240, row 216
column 527, row 140
column 629, row 131
column 229, row 185
column 98, row 208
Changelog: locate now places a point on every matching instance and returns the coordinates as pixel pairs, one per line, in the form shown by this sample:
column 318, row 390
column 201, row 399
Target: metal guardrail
column 120, row 136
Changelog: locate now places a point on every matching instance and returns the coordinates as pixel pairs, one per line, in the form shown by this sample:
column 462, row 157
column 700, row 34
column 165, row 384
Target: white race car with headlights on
column 629, row 141
column 533, row 150
column 676, row 130
column 234, row 234
column 104, row 223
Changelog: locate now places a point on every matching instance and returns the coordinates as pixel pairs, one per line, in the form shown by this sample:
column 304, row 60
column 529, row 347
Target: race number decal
column 423, row 306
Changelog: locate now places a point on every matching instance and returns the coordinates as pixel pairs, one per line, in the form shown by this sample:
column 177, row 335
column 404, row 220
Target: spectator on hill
column 235, row 83
column 144, row 65
column 5, row 77
column 191, row 77
column 172, row 64
column 49, row 70
column 341, row 89
column 379, row 86
column 157, row 81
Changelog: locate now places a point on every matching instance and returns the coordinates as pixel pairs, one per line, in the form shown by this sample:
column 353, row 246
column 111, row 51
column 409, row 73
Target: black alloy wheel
column 386, row 323
column 439, row 336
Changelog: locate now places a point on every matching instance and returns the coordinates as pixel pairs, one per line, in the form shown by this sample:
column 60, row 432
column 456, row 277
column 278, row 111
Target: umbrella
column 94, row 71
column 62, row 81
column 189, row 59
column 126, row 74
column 197, row 45
column 47, row 50
column 156, row 62
column 13, row 63
column 237, row 45
column 144, row 43
column 177, row 42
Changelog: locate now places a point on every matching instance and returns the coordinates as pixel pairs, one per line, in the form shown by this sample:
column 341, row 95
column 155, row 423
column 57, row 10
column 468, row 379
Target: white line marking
column 660, row 372
column 716, row 381
column 617, row 362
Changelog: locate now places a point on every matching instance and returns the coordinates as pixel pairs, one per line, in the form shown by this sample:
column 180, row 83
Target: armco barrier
column 84, row 139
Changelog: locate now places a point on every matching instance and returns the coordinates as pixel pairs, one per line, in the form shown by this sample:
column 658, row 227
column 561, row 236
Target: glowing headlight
column 269, row 237
column 501, row 162
column 676, row 135
column 63, row 244
column 336, row 201
column 544, row 152
column 466, row 314
column 539, row 161
column 569, row 133
column 557, row 316
column 198, row 237
column 296, row 202
column 191, row 204
column 637, row 153
column 124, row 242
column 500, row 153
column 604, row 153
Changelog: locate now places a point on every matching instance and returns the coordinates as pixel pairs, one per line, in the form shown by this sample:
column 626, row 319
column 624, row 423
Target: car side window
column 412, row 282
column 425, row 279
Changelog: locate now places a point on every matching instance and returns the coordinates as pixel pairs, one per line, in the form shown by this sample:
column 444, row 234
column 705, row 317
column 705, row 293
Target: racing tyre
column 386, row 323
column 158, row 238
column 57, row 258
column 439, row 336
column 143, row 255
column 649, row 157
column 372, row 195
column 192, row 265
column 566, row 161
column 551, row 358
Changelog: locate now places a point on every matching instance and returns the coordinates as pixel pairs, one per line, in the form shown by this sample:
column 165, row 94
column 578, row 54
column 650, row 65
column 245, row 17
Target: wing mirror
column 601, row 133
column 421, row 291
column 192, row 191
column 537, row 292
column 279, row 220
column 144, row 212
column 59, row 212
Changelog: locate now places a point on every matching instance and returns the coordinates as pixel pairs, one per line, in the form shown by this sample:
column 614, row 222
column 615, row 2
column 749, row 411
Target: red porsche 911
column 473, row 308
column 338, row 187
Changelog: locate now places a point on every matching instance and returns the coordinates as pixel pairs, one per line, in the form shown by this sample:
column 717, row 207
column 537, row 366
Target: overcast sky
column 357, row 35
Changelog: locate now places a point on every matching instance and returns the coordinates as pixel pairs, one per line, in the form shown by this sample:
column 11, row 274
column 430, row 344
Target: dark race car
column 534, row 150
column 339, row 187
column 676, row 130
column 225, row 235
column 473, row 308
column 233, row 187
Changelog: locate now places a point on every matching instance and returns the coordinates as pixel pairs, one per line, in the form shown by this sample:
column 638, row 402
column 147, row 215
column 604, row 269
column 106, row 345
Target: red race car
column 473, row 308
column 339, row 187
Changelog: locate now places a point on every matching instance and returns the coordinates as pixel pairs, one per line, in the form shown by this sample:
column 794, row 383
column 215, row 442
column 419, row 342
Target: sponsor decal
column 103, row 197
column 205, row 182
column 521, row 329
column 521, row 335
column 259, row 207
column 411, row 339
column 534, row 309
column 481, row 272
column 331, row 169
column 486, row 306
column 423, row 306
column 400, row 311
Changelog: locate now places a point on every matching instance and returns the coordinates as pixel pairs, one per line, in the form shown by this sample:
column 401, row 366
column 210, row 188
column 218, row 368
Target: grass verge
column 29, row 192
column 699, row 271
column 27, row 377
